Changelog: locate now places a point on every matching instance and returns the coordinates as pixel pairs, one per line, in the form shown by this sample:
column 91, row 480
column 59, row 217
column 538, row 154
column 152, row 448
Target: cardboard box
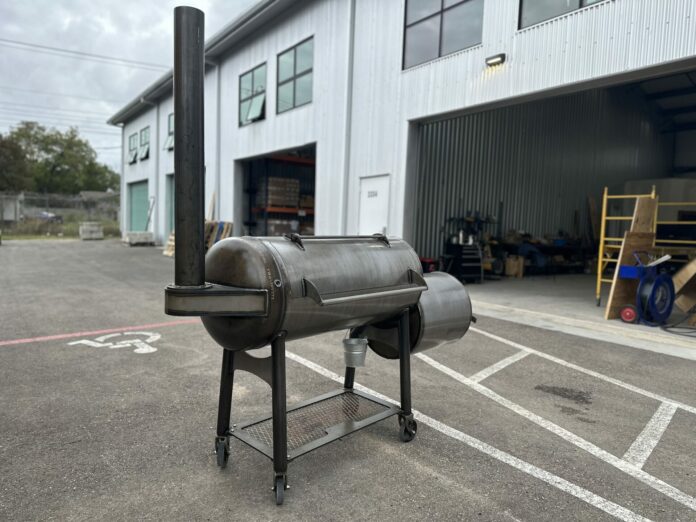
column 514, row 266
column 278, row 227
column 306, row 201
column 278, row 192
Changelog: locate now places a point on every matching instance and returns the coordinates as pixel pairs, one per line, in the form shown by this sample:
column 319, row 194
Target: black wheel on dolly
column 222, row 449
column 279, row 488
column 407, row 429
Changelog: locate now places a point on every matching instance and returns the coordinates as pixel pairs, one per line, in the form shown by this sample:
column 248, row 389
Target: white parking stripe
column 581, row 493
column 494, row 368
column 613, row 460
column 644, row 445
column 586, row 371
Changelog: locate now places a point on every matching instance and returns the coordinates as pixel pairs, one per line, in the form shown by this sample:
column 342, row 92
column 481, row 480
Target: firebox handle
column 416, row 285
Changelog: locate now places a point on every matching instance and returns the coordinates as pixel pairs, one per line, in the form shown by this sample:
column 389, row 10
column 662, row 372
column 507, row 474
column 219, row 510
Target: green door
column 170, row 203
column 138, row 204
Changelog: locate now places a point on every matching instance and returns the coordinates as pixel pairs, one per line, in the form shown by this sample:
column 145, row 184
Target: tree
column 59, row 162
column 14, row 172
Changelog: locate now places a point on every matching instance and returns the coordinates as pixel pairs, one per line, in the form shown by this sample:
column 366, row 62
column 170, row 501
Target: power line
column 44, row 107
column 27, row 113
column 80, row 55
column 78, row 126
column 65, row 95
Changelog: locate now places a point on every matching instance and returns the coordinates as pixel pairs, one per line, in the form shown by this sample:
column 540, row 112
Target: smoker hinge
column 295, row 238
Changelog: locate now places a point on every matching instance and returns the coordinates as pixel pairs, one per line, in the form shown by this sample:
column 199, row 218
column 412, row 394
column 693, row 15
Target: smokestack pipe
column 189, row 162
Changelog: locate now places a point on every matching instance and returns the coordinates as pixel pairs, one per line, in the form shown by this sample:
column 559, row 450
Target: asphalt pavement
column 515, row 422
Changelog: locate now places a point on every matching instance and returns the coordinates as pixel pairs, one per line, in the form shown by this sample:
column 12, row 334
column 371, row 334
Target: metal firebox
column 254, row 291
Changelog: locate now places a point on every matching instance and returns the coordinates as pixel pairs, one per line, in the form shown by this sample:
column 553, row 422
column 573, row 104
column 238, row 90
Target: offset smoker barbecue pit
column 254, row 291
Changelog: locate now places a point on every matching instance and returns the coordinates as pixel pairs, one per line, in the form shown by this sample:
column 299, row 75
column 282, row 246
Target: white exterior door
column 374, row 205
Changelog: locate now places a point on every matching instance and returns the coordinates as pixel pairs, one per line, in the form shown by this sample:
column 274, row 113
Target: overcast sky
column 131, row 29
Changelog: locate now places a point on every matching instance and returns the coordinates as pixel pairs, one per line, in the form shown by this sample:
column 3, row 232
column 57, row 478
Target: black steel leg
column 407, row 424
column 280, row 427
column 350, row 378
column 405, row 363
column 222, row 440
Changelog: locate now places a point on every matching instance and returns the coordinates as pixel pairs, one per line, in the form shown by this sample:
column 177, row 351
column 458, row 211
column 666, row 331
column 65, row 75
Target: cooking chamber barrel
column 313, row 284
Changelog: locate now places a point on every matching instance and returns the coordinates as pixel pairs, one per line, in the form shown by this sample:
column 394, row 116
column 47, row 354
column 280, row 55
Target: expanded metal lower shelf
column 317, row 422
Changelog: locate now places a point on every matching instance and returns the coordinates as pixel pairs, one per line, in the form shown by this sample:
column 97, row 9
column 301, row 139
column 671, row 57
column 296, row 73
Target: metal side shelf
column 318, row 421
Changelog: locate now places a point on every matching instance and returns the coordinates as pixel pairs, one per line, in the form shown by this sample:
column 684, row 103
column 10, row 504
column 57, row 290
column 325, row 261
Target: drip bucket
column 354, row 350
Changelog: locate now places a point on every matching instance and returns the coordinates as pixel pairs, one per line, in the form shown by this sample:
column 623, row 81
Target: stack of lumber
column 214, row 231
column 685, row 287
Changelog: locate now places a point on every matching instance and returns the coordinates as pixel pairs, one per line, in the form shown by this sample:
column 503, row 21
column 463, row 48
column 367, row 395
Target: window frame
column 583, row 4
column 169, row 142
column 133, row 152
column 252, row 95
column 144, row 148
column 295, row 76
column 439, row 13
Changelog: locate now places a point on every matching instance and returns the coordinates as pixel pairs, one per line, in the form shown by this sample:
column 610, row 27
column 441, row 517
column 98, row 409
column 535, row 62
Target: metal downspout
column 349, row 118
column 218, row 139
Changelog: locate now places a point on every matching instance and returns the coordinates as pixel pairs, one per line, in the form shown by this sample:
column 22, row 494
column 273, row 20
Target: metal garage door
column 138, row 205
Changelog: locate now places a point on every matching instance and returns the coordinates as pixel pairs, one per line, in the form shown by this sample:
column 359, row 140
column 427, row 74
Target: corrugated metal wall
column 541, row 159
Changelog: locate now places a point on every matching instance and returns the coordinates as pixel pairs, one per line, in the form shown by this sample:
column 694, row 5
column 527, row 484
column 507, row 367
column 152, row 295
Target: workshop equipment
column 254, row 291
column 655, row 294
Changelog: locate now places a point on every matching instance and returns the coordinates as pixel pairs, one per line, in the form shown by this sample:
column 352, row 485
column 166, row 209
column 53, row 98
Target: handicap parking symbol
column 141, row 341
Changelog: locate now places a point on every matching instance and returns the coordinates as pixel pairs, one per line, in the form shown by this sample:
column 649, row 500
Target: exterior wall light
column 496, row 59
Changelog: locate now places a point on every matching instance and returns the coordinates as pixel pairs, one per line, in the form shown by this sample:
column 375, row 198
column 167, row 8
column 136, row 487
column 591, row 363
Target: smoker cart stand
column 311, row 424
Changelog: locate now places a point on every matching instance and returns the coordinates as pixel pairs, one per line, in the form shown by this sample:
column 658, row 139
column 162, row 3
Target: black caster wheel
column 407, row 429
column 222, row 449
column 279, row 488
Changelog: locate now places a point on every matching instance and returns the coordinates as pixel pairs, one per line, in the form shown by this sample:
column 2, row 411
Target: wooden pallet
column 685, row 287
column 214, row 231
column 169, row 247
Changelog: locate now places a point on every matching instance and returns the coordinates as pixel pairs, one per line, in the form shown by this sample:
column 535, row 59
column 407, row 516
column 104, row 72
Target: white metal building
column 395, row 114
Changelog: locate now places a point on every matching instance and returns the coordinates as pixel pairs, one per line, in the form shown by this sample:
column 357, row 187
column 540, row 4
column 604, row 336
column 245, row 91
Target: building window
column 144, row 144
column 132, row 148
column 435, row 28
column 295, row 68
column 169, row 142
column 535, row 11
column 252, row 95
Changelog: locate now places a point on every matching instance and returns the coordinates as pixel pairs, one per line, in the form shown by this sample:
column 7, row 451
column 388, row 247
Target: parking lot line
column 58, row 337
column 645, row 443
column 494, row 368
column 586, row 371
column 562, row 484
column 622, row 465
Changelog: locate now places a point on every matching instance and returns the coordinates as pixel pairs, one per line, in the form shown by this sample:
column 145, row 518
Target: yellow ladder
column 609, row 247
